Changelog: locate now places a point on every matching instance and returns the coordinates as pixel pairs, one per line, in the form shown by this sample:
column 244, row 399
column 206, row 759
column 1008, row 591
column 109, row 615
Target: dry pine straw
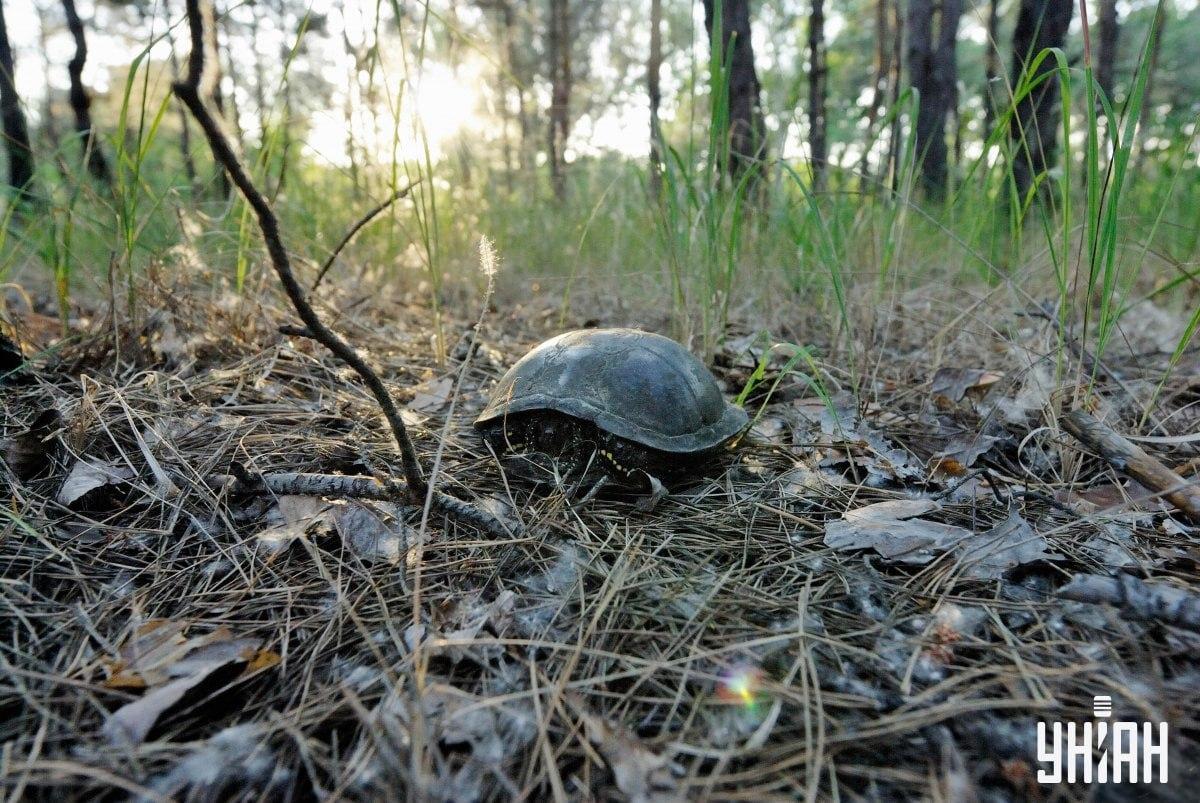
column 585, row 657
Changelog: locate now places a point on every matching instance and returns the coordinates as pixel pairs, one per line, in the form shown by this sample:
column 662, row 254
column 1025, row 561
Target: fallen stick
column 1138, row 600
column 416, row 489
column 1126, row 457
column 342, row 486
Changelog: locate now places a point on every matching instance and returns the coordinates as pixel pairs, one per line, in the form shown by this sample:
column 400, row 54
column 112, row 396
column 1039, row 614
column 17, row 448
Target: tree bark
column 80, row 100
column 816, row 93
column 12, row 120
column 1106, row 58
column 558, row 50
column 1041, row 24
column 879, row 84
column 747, row 140
column 185, row 134
column 654, row 91
column 893, row 156
column 932, row 69
column 991, row 67
column 1157, row 26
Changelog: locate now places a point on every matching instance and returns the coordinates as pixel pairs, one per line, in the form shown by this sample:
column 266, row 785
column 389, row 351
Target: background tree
column 991, row 66
column 654, row 92
column 81, row 100
column 747, row 141
column 879, row 83
column 12, row 119
column 816, row 92
column 933, row 71
column 1106, row 56
column 1041, row 24
column 558, row 52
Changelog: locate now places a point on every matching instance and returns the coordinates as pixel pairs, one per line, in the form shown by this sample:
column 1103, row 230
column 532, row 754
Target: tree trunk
column 1106, row 58
column 12, row 119
column 1156, row 27
column 558, row 50
column 185, row 136
column 893, row 157
column 654, row 91
column 879, row 83
column 81, row 102
column 49, row 119
column 1040, row 24
column 991, row 67
column 932, row 69
column 747, row 140
column 816, row 92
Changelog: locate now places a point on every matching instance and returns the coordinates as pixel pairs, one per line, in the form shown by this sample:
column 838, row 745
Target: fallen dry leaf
column 895, row 532
column 291, row 518
column 171, row 670
column 643, row 775
column 431, row 396
column 1011, row 543
column 87, row 476
column 373, row 532
column 953, row 384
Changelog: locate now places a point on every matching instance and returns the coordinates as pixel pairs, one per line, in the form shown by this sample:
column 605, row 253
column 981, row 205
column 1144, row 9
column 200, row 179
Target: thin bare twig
column 199, row 14
column 356, row 228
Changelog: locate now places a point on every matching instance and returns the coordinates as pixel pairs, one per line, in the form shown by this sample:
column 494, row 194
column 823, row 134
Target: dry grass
column 597, row 654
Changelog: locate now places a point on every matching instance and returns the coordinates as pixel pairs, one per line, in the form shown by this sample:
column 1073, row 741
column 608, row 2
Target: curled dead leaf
column 88, row 475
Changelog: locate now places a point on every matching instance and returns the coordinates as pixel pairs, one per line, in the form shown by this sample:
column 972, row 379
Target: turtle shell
column 639, row 386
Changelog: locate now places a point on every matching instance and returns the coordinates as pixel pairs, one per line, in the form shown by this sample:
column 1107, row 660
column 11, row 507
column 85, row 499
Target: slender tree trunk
column 558, row 50
column 654, row 91
column 991, row 67
column 816, row 93
column 1040, row 24
column 260, row 79
column 185, row 135
column 506, row 82
column 932, row 69
column 879, row 84
column 747, row 139
column 1157, row 26
column 81, row 101
column 49, row 118
column 893, row 158
column 1106, row 58
column 12, row 119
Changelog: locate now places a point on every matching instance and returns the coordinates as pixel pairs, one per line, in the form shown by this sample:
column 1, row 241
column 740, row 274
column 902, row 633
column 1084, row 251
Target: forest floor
column 861, row 601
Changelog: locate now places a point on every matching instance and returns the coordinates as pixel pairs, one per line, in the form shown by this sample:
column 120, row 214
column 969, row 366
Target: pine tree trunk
column 558, row 50
column 991, row 67
column 932, row 69
column 893, row 157
column 879, row 84
column 1106, row 58
column 1157, row 26
column 747, row 140
column 185, row 135
column 12, row 119
column 1040, row 24
column 816, row 93
column 654, row 91
column 81, row 102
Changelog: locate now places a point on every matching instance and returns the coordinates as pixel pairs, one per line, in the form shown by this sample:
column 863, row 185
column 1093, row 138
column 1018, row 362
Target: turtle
column 637, row 405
